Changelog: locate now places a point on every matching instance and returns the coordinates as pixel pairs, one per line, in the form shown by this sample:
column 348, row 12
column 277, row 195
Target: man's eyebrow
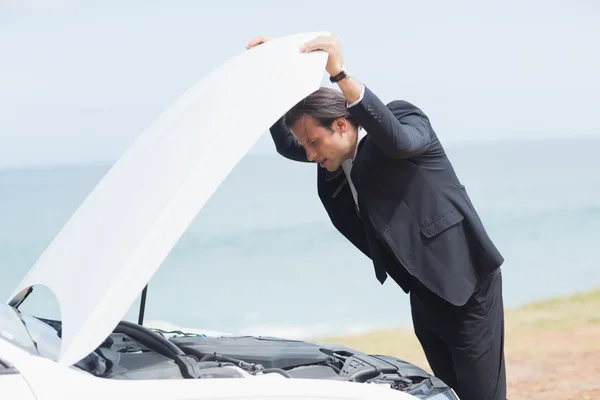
column 308, row 141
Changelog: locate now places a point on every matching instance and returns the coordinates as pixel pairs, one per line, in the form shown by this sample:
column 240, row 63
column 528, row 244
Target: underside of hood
column 116, row 240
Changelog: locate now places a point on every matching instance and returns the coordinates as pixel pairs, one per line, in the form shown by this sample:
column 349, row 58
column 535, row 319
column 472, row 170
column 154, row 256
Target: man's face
column 327, row 148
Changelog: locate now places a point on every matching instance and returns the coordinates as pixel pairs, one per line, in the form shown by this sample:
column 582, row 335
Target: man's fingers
column 319, row 43
column 312, row 45
column 253, row 42
column 316, row 46
column 257, row 40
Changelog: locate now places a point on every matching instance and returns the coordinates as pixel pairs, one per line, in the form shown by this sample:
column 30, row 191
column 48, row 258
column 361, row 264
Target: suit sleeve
column 400, row 129
column 285, row 142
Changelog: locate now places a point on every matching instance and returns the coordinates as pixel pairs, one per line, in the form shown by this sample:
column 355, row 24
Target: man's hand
column 329, row 44
column 257, row 40
column 333, row 46
column 350, row 86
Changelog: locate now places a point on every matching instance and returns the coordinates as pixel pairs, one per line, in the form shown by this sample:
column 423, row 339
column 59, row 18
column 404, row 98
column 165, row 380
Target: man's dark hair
column 325, row 105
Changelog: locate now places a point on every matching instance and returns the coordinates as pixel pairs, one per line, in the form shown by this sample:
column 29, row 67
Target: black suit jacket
column 415, row 216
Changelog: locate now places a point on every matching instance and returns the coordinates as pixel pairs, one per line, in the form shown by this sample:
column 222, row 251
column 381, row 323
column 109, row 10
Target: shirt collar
column 361, row 134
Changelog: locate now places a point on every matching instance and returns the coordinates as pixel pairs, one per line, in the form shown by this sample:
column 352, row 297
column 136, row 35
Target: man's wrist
column 336, row 70
column 351, row 88
column 336, row 77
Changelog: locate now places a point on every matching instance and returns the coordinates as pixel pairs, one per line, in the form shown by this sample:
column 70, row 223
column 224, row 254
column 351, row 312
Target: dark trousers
column 464, row 345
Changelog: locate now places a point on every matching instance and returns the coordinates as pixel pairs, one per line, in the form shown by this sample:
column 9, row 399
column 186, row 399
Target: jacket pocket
column 442, row 223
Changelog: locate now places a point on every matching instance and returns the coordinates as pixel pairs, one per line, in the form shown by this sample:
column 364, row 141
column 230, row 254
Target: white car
column 116, row 240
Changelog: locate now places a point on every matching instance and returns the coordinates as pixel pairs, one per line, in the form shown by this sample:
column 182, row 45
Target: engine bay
column 136, row 352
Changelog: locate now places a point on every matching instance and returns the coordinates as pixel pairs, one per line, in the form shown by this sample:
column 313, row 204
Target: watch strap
column 336, row 78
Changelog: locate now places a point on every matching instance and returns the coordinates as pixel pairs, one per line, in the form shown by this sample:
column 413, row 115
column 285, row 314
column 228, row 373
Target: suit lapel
column 353, row 172
column 361, row 144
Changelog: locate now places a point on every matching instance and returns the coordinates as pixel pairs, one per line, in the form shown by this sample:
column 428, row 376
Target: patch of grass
column 556, row 313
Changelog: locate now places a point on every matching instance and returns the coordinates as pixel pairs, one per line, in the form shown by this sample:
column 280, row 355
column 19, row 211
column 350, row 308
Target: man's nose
column 311, row 154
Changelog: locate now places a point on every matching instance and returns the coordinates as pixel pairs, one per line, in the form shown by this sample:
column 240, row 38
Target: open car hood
column 116, row 240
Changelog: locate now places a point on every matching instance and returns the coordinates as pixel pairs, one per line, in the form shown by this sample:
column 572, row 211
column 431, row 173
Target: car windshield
column 29, row 333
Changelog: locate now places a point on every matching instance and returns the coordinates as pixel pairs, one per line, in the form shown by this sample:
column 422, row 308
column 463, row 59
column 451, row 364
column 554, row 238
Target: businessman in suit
column 390, row 189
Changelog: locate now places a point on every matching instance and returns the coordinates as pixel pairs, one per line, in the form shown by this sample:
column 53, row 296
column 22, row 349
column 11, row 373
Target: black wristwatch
column 340, row 76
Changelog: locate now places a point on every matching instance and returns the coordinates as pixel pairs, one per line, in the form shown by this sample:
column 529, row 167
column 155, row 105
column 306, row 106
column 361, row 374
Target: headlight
column 447, row 395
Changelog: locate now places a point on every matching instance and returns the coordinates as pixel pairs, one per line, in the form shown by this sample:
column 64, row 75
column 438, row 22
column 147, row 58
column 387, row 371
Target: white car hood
column 116, row 240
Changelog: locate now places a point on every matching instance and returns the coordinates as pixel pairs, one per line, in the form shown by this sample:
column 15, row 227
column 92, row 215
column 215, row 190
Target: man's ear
column 341, row 124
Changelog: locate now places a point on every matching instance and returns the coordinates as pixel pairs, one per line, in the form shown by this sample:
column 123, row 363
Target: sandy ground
column 564, row 376
column 552, row 348
column 571, row 371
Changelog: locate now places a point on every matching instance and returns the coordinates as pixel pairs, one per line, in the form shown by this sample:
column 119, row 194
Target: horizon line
column 253, row 153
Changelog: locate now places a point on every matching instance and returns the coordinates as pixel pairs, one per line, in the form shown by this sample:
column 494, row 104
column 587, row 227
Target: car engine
column 136, row 352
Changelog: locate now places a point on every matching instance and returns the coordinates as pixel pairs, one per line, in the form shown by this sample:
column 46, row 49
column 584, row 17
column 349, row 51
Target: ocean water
column 262, row 257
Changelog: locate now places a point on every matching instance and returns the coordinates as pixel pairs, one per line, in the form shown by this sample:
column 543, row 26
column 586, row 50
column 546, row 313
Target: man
column 390, row 189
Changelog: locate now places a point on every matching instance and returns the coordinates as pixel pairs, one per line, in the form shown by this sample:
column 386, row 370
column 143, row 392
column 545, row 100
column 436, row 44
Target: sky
column 79, row 81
